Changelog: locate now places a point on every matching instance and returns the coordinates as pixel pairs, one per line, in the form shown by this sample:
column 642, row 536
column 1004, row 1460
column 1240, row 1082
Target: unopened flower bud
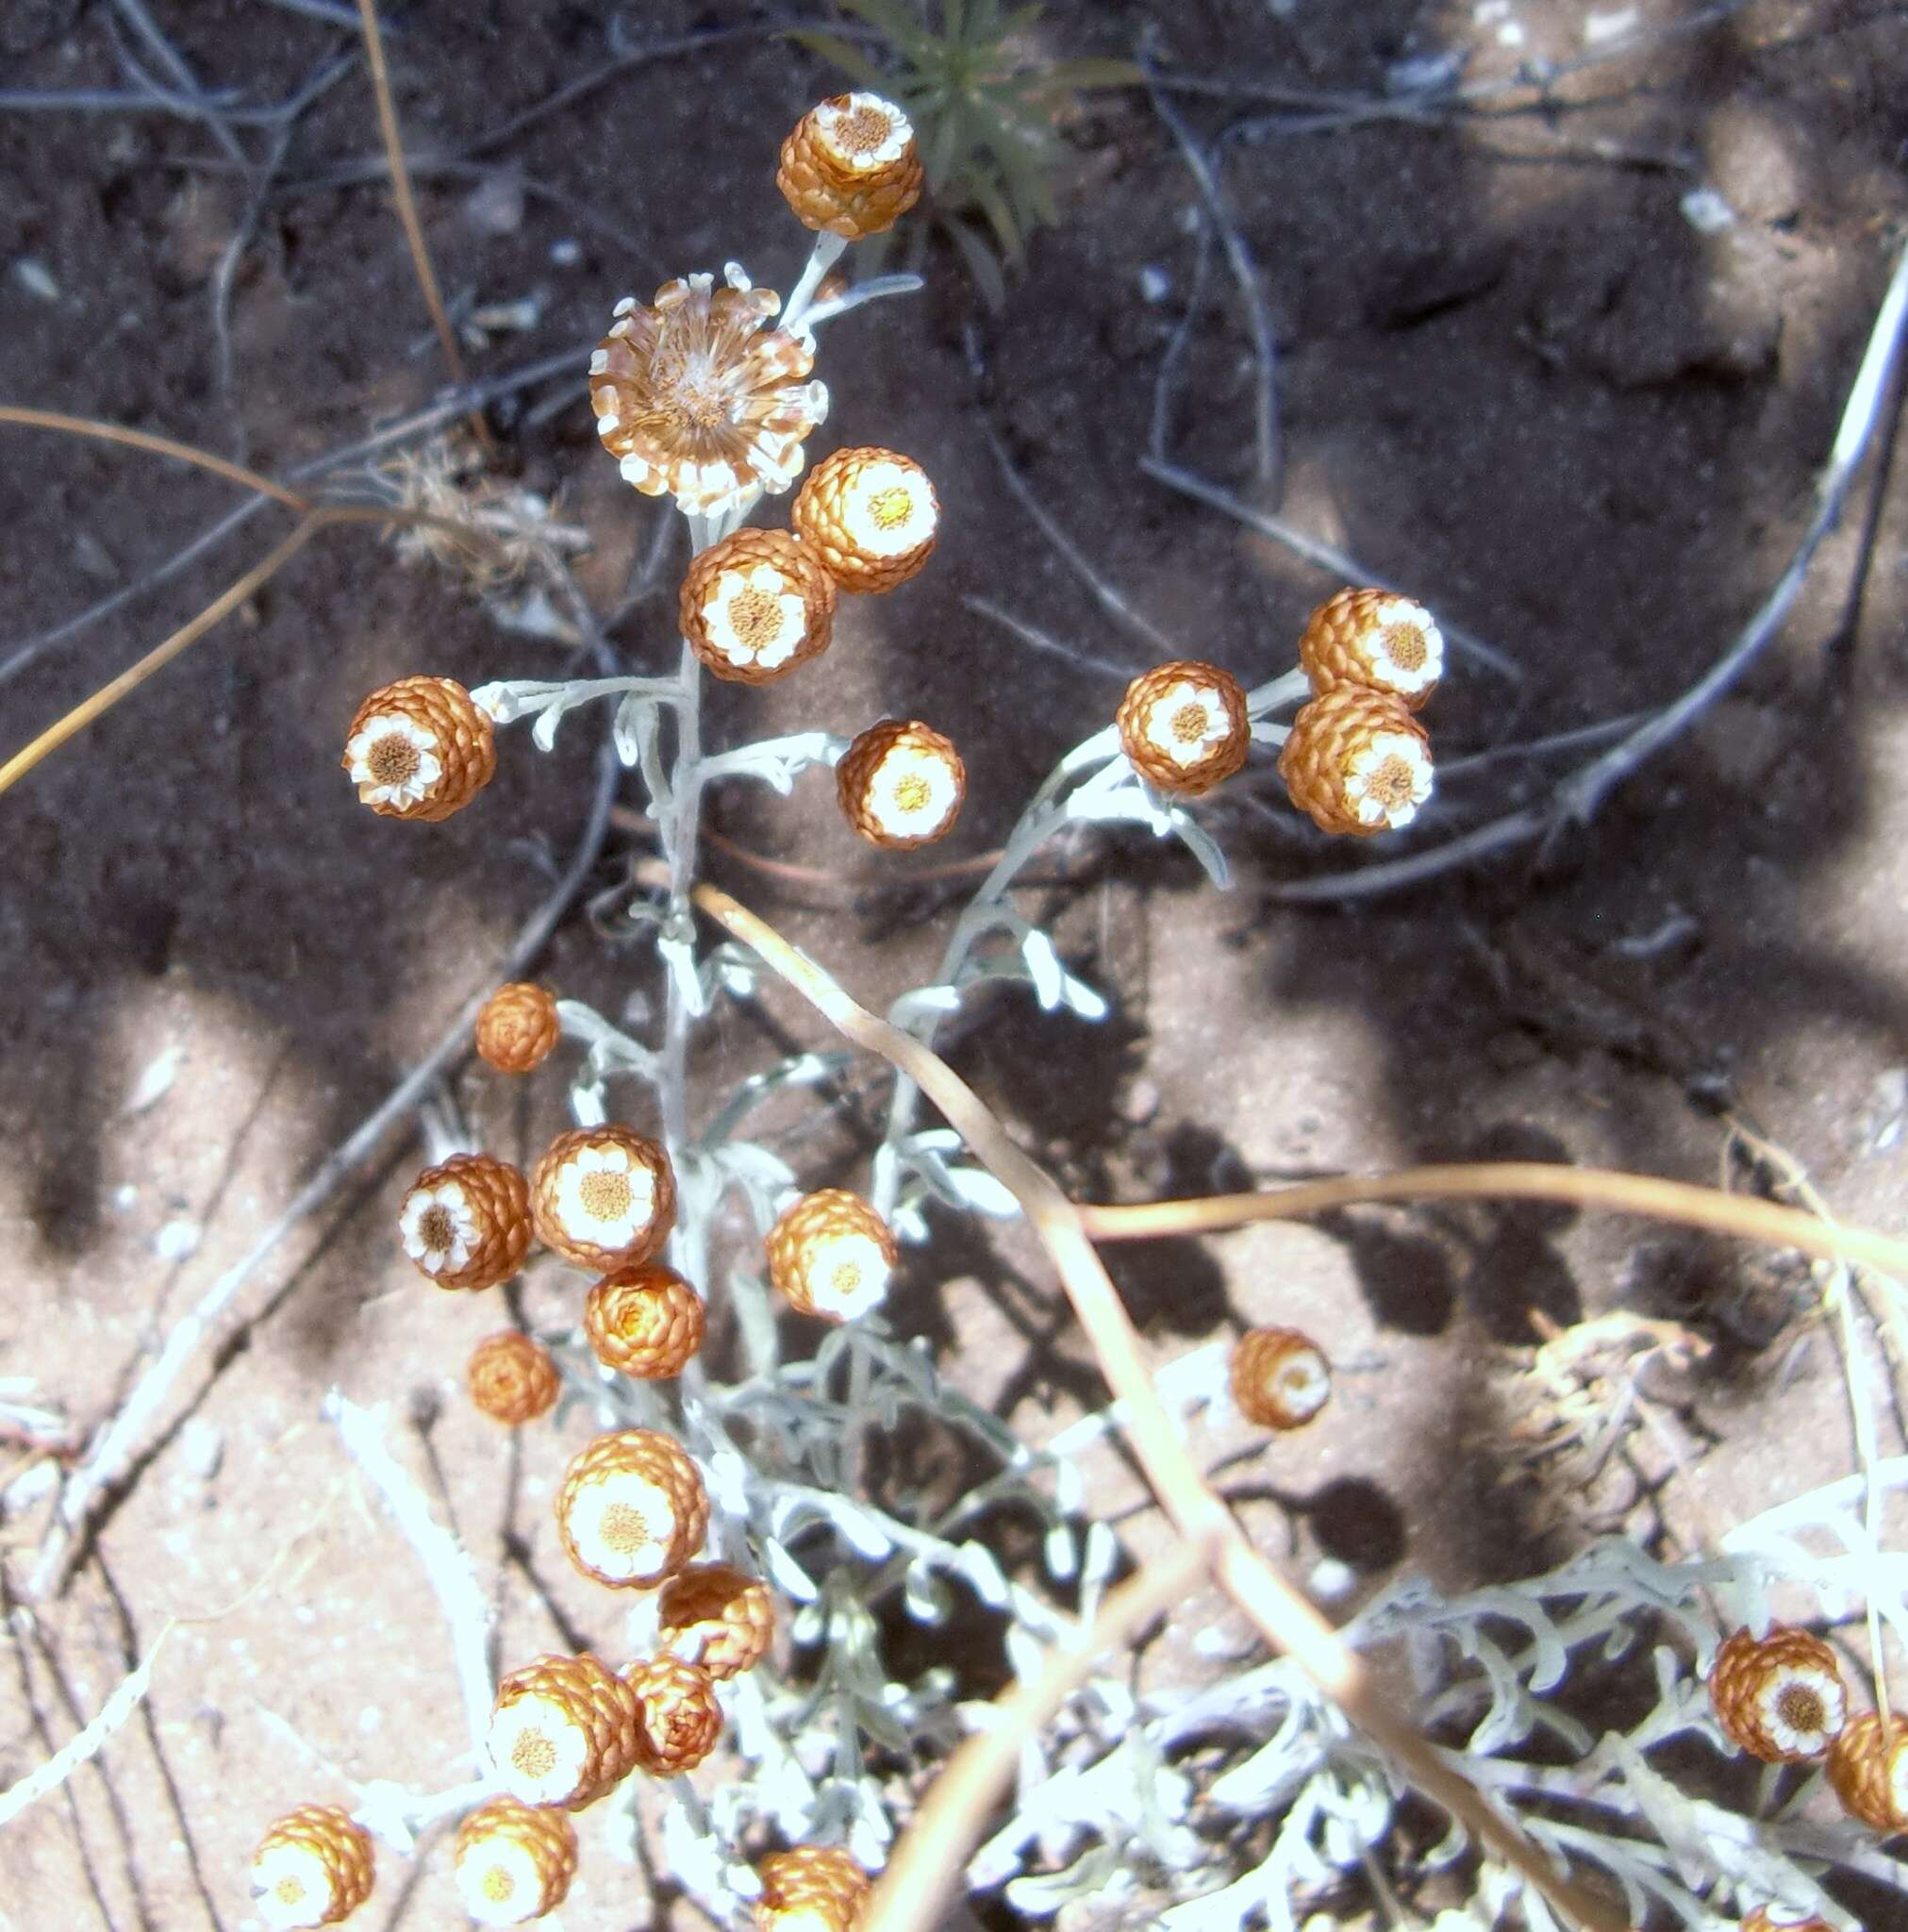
column 518, row 1028
column 851, row 166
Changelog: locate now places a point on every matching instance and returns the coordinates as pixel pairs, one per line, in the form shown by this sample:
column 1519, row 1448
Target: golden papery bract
column 824, row 516
column 547, row 1206
column 717, row 1617
column 644, row 1321
column 512, row 1380
column 518, row 1028
column 546, row 1837
column 1216, row 753
column 1345, row 642
column 647, row 1457
column 1328, row 736
column 859, row 788
column 698, row 399
column 342, row 1849
column 442, row 709
column 498, row 1201
column 594, row 1699
column 802, row 1235
column 1275, row 1378
column 1759, row 1920
column 1869, row 1775
column 825, row 189
column 822, row 1880
column 744, row 551
column 681, row 1720
column 1747, row 1669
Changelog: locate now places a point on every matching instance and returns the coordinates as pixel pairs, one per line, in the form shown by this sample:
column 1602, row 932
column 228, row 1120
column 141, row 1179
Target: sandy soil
column 1512, row 374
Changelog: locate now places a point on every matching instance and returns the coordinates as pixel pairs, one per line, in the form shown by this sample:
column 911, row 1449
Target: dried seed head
column 901, row 784
column 632, row 1508
column 698, row 399
column 511, row 1379
column 681, row 1718
column 518, row 1028
column 563, row 1731
column 812, row 1888
column 513, row 1861
column 1870, row 1775
column 851, row 166
column 420, row 749
column 1184, row 726
column 1280, row 1379
column 869, row 515
column 1780, row 1697
column 1377, row 639
column 466, row 1223
column 644, row 1321
column 756, row 606
column 717, row 1617
column 1357, row 762
column 313, row 1867
column 603, row 1197
column 831, row 1254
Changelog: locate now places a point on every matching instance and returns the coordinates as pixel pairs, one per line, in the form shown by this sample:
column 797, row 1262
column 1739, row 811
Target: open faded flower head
column 698, row 399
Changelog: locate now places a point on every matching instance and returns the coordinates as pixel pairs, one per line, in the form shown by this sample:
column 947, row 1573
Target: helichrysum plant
column 729, row 1501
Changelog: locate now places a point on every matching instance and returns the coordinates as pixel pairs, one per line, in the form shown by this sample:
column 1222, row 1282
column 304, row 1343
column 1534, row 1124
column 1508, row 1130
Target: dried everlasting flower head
column 1780, row 1697
column 632, row 1508
column 1357, row 762
column 1868, row 1770
column 518, row 1028
column 1185, row 727
column 871, row 516
column 1376, row 638
column 756, row 606
column 681, row 1718
column 420, row 749
column 466, row 1223
column 851, row 166
column 1280, row 1379
column 831, row 1254
column 644, row 1321
column 602, row 1196
column 1766, row 1919
column 717, row 1617
column 697, row 402
column 563, row 1731
column 511, row 1379
column 312, row 1868
column 812, row 1888
column 513, row 1861
column 901, row 784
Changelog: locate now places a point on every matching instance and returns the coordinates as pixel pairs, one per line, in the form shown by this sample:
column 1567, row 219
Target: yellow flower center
column 289, row 1891
column 1391, row 784
column 535, row 1755
column 437, row 1230
column 912, row 793
column 1189, row 723
column 1800, row 1708
column 393, row 759
column 845, row 1278
column 606, row 1196
column 891, row 508
column 863, row 131
column 1405, row 647
column 756, row 618
column 624, row 1531
column 498, row 1885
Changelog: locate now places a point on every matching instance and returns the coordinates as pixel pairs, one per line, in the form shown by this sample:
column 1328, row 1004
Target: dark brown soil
column 1513, row 375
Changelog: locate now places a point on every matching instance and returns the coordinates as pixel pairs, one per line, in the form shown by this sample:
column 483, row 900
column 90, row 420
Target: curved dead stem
column 1512, row 1180
column 1284, row 1618
column 153, row 445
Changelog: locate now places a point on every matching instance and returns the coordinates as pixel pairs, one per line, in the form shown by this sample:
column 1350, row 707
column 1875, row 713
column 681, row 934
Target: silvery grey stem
column 825, row 254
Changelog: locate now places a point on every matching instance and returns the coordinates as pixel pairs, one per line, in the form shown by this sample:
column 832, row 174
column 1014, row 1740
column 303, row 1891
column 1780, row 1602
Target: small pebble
column 201, row 1447
column 1155, row 285
column 177, row 1239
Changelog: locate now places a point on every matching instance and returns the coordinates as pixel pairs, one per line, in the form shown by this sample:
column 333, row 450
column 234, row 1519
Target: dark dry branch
column 1266, row 442
column 135, row 15
column 1578, row 799
column 1165, row 379
column 1038, row 639
column 1346, row 568
column 118, row 1441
